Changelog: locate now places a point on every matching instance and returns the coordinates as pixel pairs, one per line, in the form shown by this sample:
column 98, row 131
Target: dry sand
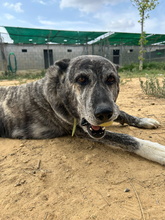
column 70, row 178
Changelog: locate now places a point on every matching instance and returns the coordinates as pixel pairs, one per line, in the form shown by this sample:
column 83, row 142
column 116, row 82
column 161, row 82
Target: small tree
column 143, row 6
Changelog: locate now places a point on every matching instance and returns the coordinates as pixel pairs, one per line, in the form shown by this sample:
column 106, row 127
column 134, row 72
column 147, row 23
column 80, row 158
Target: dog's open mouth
column 94, row 131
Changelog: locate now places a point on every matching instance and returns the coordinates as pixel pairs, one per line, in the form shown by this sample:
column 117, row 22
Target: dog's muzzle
column 103, row 115
column 94, row 131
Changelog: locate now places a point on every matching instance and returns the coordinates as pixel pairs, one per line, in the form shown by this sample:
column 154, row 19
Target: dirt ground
column 70, row 179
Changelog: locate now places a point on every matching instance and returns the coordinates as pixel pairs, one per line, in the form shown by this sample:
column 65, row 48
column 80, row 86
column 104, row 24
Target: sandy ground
column 71, row 179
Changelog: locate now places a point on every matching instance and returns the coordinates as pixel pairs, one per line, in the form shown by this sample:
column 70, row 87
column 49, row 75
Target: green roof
column 42, row 36
column 124, row 39
column 156, row 39
column 132, row 39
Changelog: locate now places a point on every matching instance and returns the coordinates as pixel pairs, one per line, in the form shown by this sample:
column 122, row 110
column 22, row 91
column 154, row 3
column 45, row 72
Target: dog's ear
column 117, row 67
column 63, row 64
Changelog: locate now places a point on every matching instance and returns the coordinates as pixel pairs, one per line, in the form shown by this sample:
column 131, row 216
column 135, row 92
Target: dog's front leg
column 147, row 149
column 137, row 122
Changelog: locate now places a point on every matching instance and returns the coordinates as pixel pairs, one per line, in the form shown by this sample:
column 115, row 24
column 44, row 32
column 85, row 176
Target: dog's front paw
column 151, row 150
column 148, row 123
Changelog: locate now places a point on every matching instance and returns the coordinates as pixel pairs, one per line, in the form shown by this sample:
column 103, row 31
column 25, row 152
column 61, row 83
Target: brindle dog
column 82, row 90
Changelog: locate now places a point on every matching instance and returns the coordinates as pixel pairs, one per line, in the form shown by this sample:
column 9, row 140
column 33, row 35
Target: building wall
column 129, row 54
column 122, row 54
column 32, row 56
column 3, row 59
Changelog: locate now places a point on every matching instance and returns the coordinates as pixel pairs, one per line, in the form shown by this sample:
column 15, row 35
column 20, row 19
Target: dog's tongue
column 95, row 128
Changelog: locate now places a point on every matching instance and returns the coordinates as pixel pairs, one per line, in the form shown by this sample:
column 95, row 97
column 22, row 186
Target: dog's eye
column 110, row 80
column 82, row 80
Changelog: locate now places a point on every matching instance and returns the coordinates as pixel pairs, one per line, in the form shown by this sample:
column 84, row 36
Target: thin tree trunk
column 141, row 55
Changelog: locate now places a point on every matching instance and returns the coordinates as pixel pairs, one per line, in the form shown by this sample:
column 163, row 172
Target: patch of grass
column 154, row 65
column 21, row 75
column 153, row 86
column 144, row 73
column 146, row 66
column 150, row 69
column 130, row 68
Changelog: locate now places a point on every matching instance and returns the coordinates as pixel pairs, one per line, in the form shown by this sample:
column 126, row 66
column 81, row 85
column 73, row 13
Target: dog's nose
column 103, row 113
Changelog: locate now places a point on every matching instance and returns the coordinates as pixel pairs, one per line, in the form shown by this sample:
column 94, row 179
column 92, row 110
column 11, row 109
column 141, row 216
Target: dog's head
column 88, row 87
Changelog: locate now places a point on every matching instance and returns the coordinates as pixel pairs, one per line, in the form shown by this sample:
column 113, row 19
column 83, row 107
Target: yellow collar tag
column 74, row 127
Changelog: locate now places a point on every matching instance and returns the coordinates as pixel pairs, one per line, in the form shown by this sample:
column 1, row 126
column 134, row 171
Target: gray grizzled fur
column 84, row 88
